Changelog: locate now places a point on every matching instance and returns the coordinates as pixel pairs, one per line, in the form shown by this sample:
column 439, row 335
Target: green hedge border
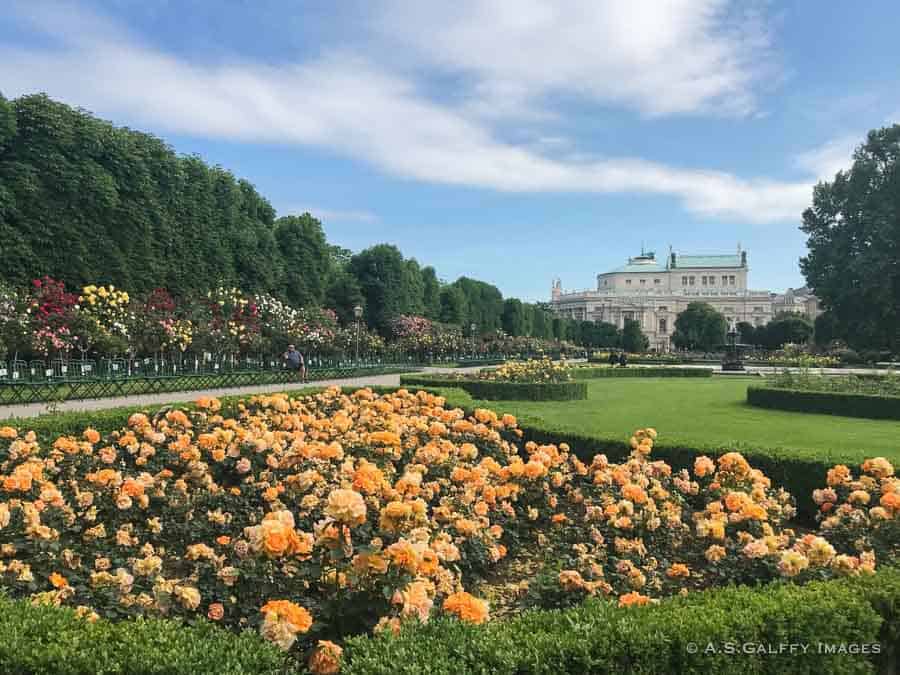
column 639, row 371
column 825, row 402
column 678, row 635
column 505, row 391
column 43, row 639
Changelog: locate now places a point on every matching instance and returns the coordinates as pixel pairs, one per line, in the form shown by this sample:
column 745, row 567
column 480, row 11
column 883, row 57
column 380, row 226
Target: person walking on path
column 295, row 361
column 623, row 359
column 612, row 358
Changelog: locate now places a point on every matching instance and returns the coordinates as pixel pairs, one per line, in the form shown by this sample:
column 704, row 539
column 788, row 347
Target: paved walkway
column 35, row 409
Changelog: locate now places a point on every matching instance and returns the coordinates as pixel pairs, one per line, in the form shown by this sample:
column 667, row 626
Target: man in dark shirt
column 294, row 360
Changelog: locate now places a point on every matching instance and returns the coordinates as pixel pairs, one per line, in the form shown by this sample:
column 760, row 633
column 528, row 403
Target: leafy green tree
column 431, row 290
column 541, row 322
column 826, row 329
column 853, row 227
column 485, row 303
column 342, row 295
column 454, row 306
column 306, row 257
column 748, row 333
column 513, row 317
column 785, row 328
column 699, row 326
column 381, row 274
column 633, row 338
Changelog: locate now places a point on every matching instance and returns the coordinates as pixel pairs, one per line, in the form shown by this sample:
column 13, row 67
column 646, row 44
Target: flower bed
column 317, row 518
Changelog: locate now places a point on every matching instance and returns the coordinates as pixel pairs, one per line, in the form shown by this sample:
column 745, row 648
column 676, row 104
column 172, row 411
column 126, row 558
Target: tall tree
column 454, row 306
column 853, row 264
column 513, row 317
column 306, row 256
column 431, row 293
column 381, row 273
column 633, row 338
column 699, row 326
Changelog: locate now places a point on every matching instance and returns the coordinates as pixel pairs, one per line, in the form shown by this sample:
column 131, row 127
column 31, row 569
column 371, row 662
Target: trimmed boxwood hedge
column 640, row 371
column 52, row 640
column 506, row 391
column 826, row 402
column 705, row 632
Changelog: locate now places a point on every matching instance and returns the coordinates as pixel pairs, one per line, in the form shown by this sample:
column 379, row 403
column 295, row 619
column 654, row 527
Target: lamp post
column 357, row 312
column 472, row 328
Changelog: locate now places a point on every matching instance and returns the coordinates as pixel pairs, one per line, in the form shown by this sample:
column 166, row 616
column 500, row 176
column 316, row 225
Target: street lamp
column 472, row 328
column 357, row 312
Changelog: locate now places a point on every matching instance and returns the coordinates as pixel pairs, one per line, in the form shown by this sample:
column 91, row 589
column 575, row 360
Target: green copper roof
column 689, row 261
column 650, row 265
column 641, row 267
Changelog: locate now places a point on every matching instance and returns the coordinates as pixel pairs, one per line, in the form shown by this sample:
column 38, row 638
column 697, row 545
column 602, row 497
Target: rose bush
column 311, row 519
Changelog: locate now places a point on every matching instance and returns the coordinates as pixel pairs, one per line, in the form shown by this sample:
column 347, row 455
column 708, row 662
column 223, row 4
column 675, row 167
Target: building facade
column 654, row 292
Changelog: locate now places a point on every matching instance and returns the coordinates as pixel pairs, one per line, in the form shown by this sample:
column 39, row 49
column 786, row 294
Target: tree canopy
column 699, row 326
column 853, row 263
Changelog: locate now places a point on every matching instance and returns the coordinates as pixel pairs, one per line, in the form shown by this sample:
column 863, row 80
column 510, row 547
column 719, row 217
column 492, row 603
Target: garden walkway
column 35, row 409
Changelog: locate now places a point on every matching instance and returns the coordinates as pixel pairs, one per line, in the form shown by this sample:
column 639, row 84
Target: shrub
column 505, row 391
column 46, row 639
column 700, row 633
column 825, row 402
column 639, row 371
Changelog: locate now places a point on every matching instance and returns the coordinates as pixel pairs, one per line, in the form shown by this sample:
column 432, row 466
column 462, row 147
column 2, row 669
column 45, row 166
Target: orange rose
column 466, row 607
column 325, row 659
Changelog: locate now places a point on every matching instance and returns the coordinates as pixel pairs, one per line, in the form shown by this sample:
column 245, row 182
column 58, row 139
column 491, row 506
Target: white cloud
column 826, row 160
column 660, row 58
column 331, row 215
column 350, row 105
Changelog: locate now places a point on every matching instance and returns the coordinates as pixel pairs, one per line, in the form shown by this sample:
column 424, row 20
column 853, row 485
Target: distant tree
column 342, row 295
column 785, row 328
column 541, row 322
column 381, row 274
column 306, row 258
column 559, row 328
column 454, row 306
column 513, row 317
column 606, row 335
column 485, row 303
column 747, row 332
column 633, row 338
column 699, row 326
column 431, row 290
column 854, row 244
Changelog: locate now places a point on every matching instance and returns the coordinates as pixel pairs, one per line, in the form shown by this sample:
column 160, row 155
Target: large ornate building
column 654, row 292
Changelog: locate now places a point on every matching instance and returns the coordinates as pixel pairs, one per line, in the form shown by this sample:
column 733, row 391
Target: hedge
column 706, row 632
column 826, row 402
column 41, row 639
column 506, row 391
column 640, row 371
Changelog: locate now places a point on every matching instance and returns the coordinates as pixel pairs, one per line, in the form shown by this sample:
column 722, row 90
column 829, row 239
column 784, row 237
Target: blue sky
column 512, row 140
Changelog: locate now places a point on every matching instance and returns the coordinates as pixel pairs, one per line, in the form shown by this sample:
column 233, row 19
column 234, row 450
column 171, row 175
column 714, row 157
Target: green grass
column 702, row 413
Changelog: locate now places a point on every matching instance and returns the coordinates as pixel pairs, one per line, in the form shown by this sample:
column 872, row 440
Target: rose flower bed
column 310, row 520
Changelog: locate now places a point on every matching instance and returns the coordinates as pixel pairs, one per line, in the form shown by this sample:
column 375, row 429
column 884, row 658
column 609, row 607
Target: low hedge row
column 826, row 402
column 41, row 639
column 506, row 391
column 640, row 371
column 728, row 630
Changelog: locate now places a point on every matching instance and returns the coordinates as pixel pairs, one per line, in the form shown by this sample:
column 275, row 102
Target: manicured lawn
column 704, row 413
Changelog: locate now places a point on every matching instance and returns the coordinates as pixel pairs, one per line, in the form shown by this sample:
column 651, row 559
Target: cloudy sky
column 509, row 140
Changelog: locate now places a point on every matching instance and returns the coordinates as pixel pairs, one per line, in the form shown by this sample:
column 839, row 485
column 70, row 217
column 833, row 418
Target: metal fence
column 64, row 379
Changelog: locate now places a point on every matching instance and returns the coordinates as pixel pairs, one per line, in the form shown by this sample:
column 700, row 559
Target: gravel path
column 35, row 409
